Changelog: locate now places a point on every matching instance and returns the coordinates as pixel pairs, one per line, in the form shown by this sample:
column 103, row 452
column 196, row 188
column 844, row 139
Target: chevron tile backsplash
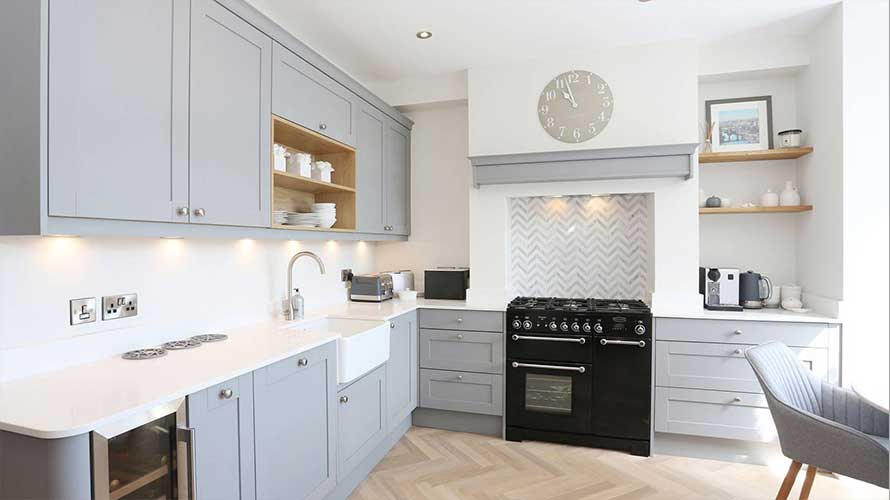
column 580, row 246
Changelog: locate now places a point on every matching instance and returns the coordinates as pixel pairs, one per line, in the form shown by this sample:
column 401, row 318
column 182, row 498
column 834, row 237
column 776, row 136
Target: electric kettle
column 754, row 288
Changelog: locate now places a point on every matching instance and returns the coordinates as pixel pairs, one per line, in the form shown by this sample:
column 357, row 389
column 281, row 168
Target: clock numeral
column 602, row 116
column 576, row 133
column 591, row 128
column 550, row 95
column 589, row 78
column 560, row 83
column 544, row 109
column 574, row 77
column 607, row 102
column 562, row 131
column 601, row 88
column 549, row 122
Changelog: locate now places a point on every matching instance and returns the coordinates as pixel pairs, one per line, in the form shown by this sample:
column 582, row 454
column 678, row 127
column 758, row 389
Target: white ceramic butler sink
column 363, row 344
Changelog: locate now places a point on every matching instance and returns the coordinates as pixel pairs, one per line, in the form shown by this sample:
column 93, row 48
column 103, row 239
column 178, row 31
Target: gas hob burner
column 176, row 345
column 570, row 305
column 530, row 302
column 210, row 337
column 150, row 353
column 620, row 306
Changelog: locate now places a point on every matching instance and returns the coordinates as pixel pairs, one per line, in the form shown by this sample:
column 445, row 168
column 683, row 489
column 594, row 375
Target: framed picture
column 742, row 124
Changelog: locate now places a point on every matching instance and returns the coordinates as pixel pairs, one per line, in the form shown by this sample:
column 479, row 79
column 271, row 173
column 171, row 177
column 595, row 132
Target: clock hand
column 571, row 95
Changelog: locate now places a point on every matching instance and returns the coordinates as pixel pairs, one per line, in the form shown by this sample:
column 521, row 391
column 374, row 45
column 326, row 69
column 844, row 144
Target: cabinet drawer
column 444, row 319
column 361, row 415
column 303, row 94
column 461, row 391
column 744, row 332
column 720, row 367
column 722, row 414
column 462, row 350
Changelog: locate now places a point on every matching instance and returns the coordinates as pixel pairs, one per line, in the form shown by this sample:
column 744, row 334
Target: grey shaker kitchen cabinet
column 401, row 369
column 117, row 109
column 295, row 416
column 304, row 95
column 222, row 419
column 396, row 178
column 230, row 119
column 361, row 419
column 370, row 124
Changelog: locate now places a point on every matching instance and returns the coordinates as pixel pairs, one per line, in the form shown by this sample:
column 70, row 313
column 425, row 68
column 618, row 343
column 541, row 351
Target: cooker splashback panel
column 581, row 246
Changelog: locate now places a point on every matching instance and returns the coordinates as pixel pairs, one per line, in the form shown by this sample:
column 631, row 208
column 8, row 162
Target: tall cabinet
column 384, row 158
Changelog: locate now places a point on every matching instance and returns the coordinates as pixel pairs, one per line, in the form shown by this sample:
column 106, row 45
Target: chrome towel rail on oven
column 638, row 343
column 579, row 369
column 550, row 339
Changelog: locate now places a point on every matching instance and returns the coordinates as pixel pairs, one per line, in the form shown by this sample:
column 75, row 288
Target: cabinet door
column 117, row 109
column 222, row 419
column 397, row 178
column 361, row 419
column 230, row 119
column 303, row 94
column 295, row 412
column 401, row 369
column 370, row 125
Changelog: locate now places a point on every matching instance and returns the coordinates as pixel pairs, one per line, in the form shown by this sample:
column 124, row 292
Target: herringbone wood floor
column 442, row 465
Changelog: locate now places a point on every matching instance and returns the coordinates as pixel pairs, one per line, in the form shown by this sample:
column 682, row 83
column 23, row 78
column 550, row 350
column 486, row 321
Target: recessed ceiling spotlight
column 423, row 35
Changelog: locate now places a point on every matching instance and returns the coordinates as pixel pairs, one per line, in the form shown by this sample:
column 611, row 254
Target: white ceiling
column 375, row 41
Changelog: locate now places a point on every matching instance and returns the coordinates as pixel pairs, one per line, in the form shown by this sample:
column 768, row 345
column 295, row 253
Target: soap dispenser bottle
column 297, row 304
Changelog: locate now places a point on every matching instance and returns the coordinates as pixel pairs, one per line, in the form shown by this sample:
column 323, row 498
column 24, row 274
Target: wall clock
column 575, row 106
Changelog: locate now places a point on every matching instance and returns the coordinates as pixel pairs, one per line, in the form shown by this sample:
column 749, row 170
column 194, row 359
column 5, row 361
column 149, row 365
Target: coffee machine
column 720, row 287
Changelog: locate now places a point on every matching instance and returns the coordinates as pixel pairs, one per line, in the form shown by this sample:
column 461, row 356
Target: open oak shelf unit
column 296, row 193
column 755, row 210
column 764, row 155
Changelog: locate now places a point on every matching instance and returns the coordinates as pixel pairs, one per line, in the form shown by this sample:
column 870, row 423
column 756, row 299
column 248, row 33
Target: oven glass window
column 548, row 393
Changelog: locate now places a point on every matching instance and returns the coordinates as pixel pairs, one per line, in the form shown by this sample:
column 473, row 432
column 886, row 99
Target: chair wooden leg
column 788, row 483
column 808, row 482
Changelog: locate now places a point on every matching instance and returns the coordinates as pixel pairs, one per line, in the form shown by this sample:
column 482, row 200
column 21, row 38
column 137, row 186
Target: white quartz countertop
column 749, row 315
column 82, row 398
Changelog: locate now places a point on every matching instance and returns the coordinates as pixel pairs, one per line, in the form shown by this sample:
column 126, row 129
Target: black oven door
column 549, row 396
column 622, row 390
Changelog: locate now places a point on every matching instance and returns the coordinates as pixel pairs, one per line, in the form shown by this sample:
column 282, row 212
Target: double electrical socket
column 113, row 307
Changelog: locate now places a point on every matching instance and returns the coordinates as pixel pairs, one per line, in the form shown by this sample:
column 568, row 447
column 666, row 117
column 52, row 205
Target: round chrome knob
column 323, row 126
column 576, row 327
column 344, row 399
column 737, row 352
column 564, row 326
column 200, row 212
column 226, row 394
column 460, row 320
column 527, row 324
column 460, row 377
column 598, row 328
column 182, row 211
column 737, row 332
column 586, row 327
column 392, row 325
column 552, row 326
column 460, row 336
column 640, row 329
column 517, row 324
column 582, row 341
column 302, row 362
column 736, row 399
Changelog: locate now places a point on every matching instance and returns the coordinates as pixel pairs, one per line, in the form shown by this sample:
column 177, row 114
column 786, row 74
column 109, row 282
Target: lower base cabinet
column 221, row 418
column 401, row 369
column 361, row 416
column 295, row 433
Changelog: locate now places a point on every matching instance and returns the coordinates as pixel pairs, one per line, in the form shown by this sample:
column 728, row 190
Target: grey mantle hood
column 675, row 160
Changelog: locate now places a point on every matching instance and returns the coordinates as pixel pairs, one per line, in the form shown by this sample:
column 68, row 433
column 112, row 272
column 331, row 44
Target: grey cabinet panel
column 117, row 111
column 397, row 178
column 445, row 319
column 744, row 332
column 461, row 391
column 224, row 440
column 370, row 124
column 45, row 469
column 728, row 415
column 401, row 369
column 361, row 418
column 295, row 417
column 230, row 118
column 305, row 95
column 462, row 350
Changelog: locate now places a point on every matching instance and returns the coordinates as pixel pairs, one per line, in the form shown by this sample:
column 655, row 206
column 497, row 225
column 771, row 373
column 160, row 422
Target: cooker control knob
column 517, row 324
column 598, row 328
column 527, row 324
column 552, row 326
column 586, row 327
column 564, row 326
column 576, row 327
column 640, row 329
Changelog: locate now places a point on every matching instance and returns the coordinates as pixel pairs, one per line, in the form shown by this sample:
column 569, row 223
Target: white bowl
column 408, row 295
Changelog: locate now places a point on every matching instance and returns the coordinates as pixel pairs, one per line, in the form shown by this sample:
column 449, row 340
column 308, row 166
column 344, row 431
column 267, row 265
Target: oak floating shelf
column 755, row 210
column 764, row 155
column 300, row 183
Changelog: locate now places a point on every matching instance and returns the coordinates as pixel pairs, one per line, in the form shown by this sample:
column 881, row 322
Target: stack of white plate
column 303, row 219
column 279, row 216
column 326, row 212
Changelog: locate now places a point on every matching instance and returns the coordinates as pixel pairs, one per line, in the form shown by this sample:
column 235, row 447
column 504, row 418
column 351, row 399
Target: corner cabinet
column 384, row 182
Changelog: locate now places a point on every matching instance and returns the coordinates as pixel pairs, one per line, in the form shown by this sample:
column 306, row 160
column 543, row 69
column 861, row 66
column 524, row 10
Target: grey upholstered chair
column 820, row 424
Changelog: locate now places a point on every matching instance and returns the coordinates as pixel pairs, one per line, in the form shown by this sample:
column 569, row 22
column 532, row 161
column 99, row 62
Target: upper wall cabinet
column 230, row 121
column 303, row 94
column 397, row 178
column 117, row 109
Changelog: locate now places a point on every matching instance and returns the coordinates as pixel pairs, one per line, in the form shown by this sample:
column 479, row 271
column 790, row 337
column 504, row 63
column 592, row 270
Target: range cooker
column 579, row 371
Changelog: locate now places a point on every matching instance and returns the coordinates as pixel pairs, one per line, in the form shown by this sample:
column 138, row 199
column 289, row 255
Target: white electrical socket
column 82, row 310
column 119, row 306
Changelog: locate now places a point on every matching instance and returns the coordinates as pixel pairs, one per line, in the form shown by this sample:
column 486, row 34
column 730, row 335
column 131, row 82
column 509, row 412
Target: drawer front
column 744, row 332
column 720, row 367
column 462, row 350
column 305, row 95
column 459, row 391
column 721, row 414
column 444, row 319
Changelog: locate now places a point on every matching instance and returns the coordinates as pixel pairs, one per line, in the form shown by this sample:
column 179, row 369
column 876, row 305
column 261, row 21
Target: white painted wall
column 752, row 55
column 450, row 87
column 185, row 287
column 654, row 88
column 866, row 219
column 440, row 189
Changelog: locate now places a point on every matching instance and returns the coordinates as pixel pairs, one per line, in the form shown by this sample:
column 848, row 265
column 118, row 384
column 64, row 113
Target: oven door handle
column 550, row 339
column 579, row 369
column 637, row 343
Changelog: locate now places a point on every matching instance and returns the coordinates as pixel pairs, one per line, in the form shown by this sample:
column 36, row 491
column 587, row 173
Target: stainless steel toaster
column 371, row 288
